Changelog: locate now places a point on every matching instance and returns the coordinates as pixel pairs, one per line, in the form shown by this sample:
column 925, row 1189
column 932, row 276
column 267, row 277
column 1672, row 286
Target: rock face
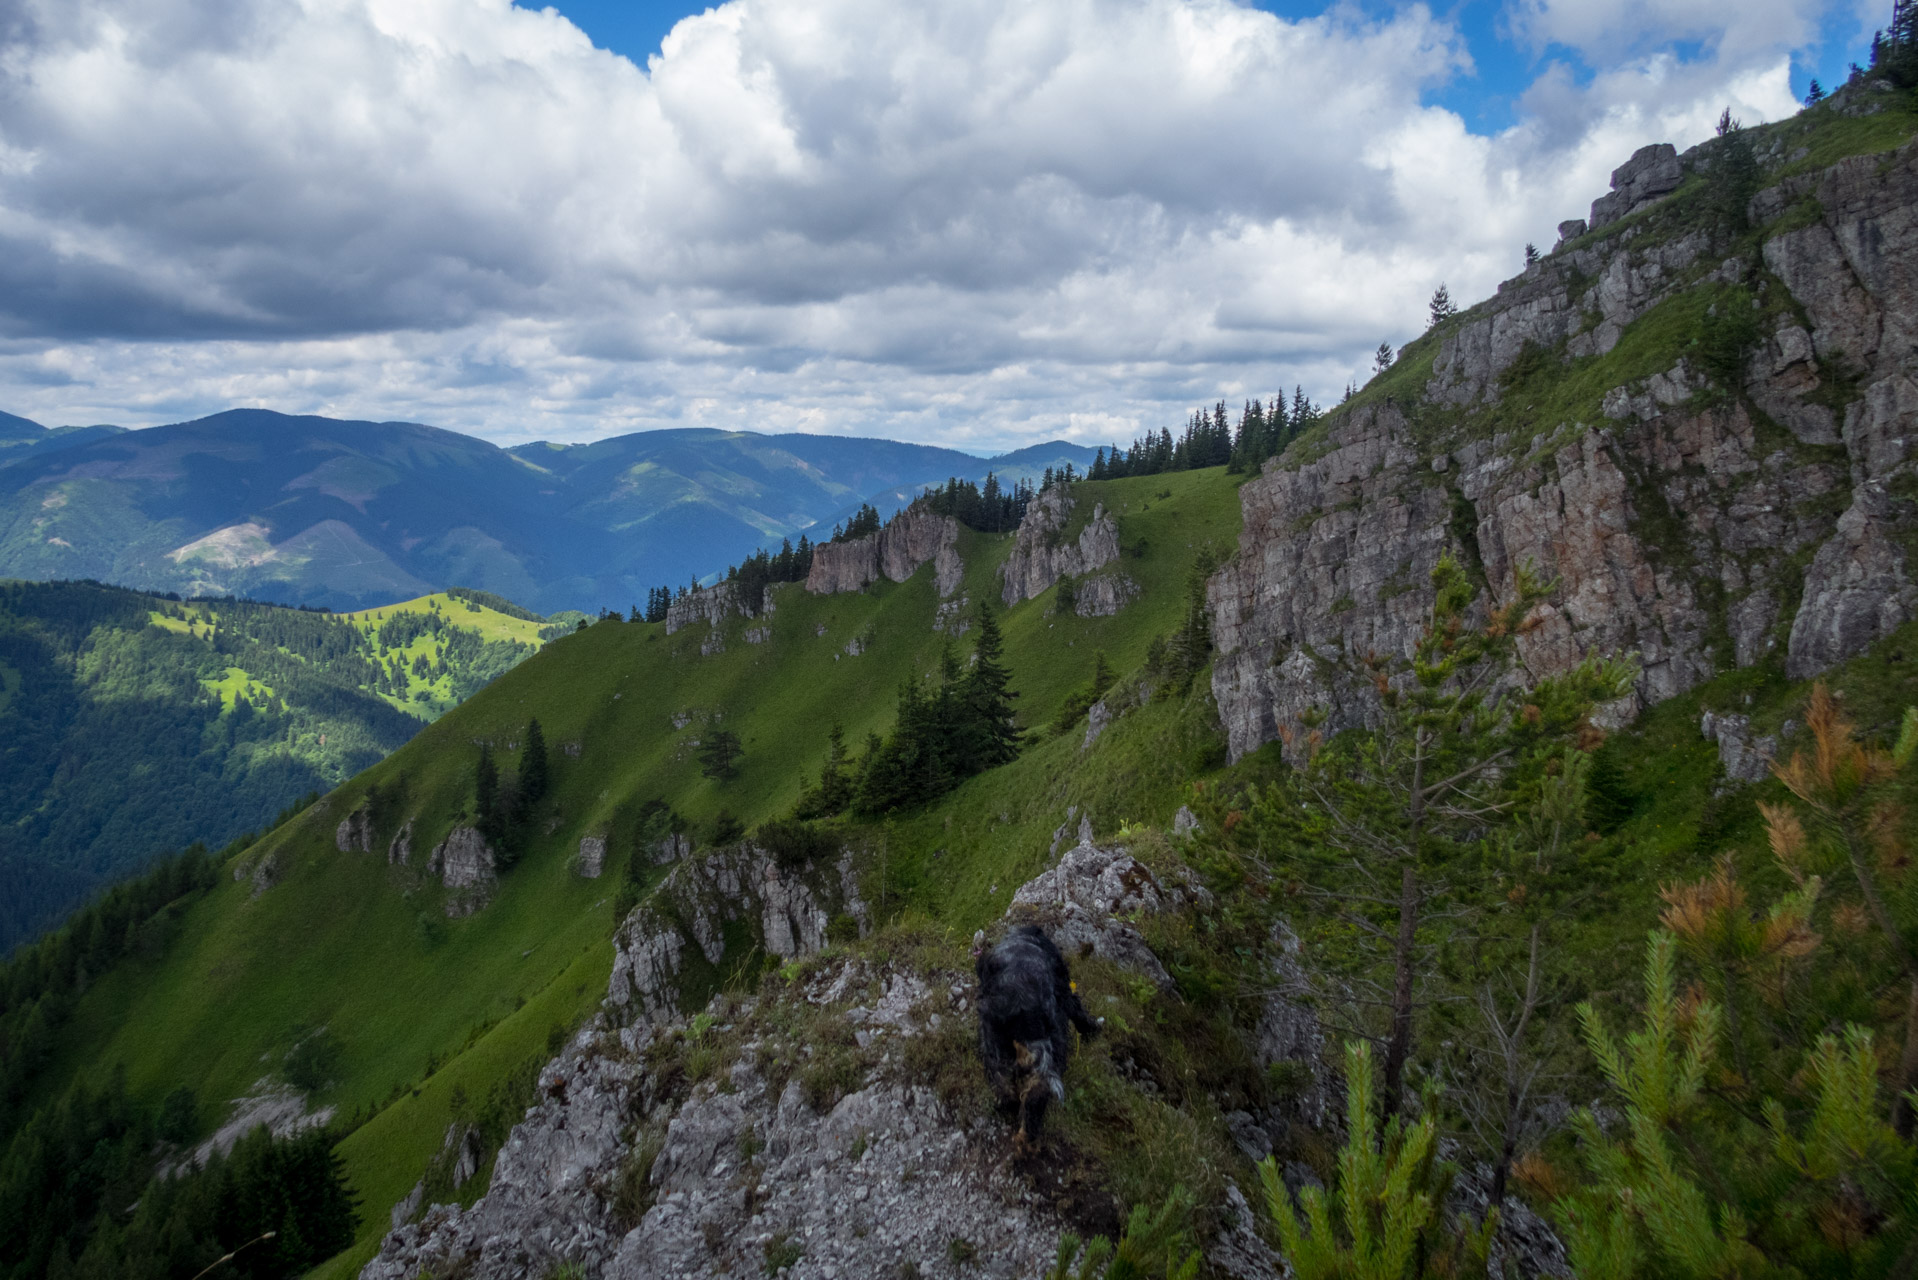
column 278, row 1108
column 712, row 606
column 1103, row 595
column 1746, row 757
column 1085, row 901
column 400, row 848
column 591, row 861
column 1680, row 525
column 1038, row 558
column 914, row 1188
column 355, row 832
column 1651, row 173
column 686, row 921
column 466, row 866
column 910, row 539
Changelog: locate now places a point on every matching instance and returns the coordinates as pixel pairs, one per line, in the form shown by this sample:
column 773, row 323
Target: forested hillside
column 132, row 724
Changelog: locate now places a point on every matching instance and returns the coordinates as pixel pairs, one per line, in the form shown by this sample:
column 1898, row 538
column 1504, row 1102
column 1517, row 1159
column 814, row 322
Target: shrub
column 794, row 843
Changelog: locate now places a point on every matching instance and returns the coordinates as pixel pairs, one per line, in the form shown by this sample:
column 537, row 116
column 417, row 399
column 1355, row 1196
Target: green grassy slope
column 419, row 1003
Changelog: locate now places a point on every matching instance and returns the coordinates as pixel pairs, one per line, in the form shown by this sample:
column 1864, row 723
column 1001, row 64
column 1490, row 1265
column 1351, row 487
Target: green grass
column 345, row 941
column 491, row 624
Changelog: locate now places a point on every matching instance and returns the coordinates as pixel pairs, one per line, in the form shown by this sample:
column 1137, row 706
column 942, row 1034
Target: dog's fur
column 1026, row 1003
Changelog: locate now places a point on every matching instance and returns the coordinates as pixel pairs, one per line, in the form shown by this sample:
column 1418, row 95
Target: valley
column 133, row 725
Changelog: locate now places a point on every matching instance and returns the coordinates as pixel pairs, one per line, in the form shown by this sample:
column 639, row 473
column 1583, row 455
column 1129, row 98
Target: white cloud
column 978, row 223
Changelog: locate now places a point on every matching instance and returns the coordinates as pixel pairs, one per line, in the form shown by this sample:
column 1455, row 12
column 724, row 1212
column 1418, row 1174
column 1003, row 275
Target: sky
column 979, row 224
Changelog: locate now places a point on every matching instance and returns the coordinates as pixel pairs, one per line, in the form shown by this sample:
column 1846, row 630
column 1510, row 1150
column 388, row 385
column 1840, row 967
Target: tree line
column 1211, row 439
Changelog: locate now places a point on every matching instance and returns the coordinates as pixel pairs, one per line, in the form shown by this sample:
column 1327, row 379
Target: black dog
column 1026, row 1000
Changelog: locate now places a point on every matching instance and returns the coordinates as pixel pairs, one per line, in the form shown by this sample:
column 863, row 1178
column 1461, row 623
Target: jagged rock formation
column 278, row 1108
column 592, row 857
column 1103, row 595
column 624, row 1171
column 1746, row 756
column 686, row 922
column 400, row 848
column 466, row 866
column 910, row 539
column 1677, row 522
column 355, row 832
column 1038, row 559
column 1086, row 902
column 712, row 606
column 1652, row 173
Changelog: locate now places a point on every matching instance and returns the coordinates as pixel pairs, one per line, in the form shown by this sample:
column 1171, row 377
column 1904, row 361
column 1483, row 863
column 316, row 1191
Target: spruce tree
column 719, row 753
column 1442, row 308
column 486, row 806
column 986, row 736
column 533, row 778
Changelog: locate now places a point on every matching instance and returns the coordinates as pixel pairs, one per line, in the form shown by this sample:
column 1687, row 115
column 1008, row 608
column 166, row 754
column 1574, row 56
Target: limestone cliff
column 712, row 606
column 1702, row 510
column 908, row 540
column 1040, row 556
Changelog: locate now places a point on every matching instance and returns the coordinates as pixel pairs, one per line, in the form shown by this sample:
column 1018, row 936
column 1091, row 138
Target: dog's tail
column 1036, row 1060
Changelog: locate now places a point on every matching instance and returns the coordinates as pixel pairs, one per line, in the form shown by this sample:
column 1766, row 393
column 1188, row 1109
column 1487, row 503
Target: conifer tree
column 1411, row 798
column 486, row 807
column 1442, row 308
column 987, row 736
column 719, row 753
column 533, row 778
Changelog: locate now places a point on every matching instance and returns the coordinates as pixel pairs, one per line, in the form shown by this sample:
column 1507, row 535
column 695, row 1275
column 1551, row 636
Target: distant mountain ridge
column 348, row 514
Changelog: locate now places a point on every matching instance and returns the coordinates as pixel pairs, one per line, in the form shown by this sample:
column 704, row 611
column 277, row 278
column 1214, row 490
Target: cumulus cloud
column 974, row 223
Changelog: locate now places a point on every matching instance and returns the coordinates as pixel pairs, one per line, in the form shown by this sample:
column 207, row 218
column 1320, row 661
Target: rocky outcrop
column 1680, row 523
column 914, row 537
column 280, row 1109
column 1652, row 173
column 1040, row 557
column 686, row 923
column 355, row 832
column 1087, row 901
column 400, row 848
column 1098, row 716
column 624, row 1171
column 465, row 864
column 713, row 605
column 1103, row 595
column 1746, row 756
column 710, row 605
column 591, row 861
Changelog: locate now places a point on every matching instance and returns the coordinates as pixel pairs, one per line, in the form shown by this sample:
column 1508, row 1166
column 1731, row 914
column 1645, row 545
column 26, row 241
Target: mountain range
column 347, row 514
